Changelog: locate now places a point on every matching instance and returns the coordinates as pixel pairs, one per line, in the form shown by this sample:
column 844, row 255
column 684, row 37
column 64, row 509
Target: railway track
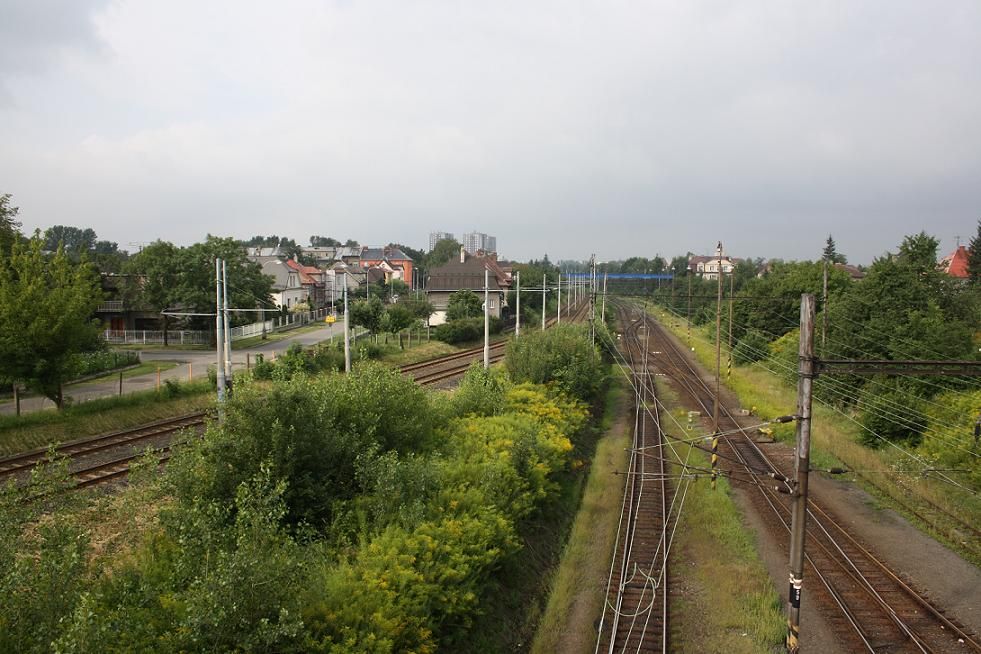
column 870, row 606
column 94, row 447
column 105, row 458
column 635, row 615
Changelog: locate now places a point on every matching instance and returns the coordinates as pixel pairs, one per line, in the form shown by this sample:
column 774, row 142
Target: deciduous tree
column 464, row 304
column 48, row 303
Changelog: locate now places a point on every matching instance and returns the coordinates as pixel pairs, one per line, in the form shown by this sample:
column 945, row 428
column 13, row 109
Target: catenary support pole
column 544, row 303
column 603, row 312
column 558, row 320
column 689, row 310
column 732, row 284
column 228, row 332
column 802, row 462
column 517, row 302
column 219, row 335
column 347, row 330
column 718, row 371
column 486, row 318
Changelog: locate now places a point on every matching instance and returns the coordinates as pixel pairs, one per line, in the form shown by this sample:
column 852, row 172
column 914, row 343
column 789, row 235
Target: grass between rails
column 578, row 589
column 43, row 428
column 722, row 598
column 836, row 438
column 517, row 595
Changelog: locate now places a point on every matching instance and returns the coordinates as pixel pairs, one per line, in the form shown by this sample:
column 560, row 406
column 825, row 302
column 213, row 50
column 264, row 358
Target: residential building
column 436, row 237
column 397, row 264
column 708, row 267
column 314, row 280
column 466, row 273
column 287, row 290
column 474, row 242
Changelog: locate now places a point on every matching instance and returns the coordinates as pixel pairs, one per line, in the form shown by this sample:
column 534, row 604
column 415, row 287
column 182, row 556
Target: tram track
column 869, row 605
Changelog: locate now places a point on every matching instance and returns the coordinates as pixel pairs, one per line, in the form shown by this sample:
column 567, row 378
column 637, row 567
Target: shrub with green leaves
column 311, row 430
column 562, row 356
column 466, row 330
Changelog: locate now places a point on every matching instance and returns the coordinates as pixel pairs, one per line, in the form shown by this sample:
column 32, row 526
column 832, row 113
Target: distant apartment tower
column 474, row 241
column 436, row 237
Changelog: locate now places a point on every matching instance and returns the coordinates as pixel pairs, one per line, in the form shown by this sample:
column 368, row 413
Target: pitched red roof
column 955, row 263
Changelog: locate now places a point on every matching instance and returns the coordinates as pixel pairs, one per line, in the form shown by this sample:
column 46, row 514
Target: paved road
column 192, row 362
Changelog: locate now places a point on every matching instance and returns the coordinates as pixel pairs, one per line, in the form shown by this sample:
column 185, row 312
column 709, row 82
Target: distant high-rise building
column 474, row 241
column 436, row 237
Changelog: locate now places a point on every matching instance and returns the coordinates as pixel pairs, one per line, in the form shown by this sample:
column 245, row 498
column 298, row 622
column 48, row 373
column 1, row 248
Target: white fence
column 190, row 337
column 156, row 337
column 277, row 324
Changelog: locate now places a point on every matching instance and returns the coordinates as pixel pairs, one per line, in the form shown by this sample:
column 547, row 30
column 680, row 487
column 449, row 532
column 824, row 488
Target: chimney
column 463, row 255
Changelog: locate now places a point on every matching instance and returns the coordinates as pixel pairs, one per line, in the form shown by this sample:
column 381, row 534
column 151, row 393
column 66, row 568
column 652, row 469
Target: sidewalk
column 193, row 364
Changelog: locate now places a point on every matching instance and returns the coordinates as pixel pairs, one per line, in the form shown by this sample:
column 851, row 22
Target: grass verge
column 147, row 368
column 575, row 601
column 43, row 428
column 273, row 337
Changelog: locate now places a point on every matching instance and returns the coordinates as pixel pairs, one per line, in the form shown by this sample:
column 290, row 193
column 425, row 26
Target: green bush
column 465, row 330
column 92, row 363
column 311, row 431
column 562, row 356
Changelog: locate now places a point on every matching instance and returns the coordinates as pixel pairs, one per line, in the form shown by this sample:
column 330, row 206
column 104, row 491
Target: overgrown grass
column 42, row 428
column 576, row 598
column 836, row 440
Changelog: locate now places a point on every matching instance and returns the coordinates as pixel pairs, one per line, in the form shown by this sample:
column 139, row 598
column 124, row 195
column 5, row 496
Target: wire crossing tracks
column 102, row 448
column 869, row 606
column 635, row 616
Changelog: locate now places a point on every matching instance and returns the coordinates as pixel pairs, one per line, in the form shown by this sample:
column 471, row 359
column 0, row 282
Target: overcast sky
column 620, row 128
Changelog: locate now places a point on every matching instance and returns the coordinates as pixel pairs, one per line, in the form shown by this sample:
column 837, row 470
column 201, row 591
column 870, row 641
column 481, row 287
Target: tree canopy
column 48, row 306
column 464, row 304
column 830, row 253
column 9, row 226
column 974, row 257
column 444, row 250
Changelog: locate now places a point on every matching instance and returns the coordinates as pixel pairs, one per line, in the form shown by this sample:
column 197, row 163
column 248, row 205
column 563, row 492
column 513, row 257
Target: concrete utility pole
column 718, row 365
column 689, row 310
column 517, row 302
column 486, row 318
column 558, row 320
column 544, row 303
column 603, row 312
column 592, row 299
column 228, row 332
column 347, row 330
column 802, row 462
column 732, row 284
column 219, row 336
